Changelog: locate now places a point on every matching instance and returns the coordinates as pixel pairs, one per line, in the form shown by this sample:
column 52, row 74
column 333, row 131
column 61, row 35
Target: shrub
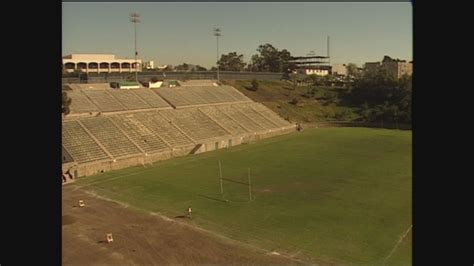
column 254, row 84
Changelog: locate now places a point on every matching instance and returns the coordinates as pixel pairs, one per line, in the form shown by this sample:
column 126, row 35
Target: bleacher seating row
column 91, row 98
column 119, row 135
column 111, row 100
column 201, row 95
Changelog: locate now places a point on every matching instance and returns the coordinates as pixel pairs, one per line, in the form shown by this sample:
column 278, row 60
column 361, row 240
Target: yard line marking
column 398, row 243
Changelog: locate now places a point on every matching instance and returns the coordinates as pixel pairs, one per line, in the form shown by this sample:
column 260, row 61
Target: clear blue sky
column 173, row 33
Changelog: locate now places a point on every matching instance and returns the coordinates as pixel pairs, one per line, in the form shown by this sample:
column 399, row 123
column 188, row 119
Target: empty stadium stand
column 240, row 118
column 224, row 120
column 80, row 103
column 112, row 128
column 80, row 145
column 196, row 124
column 113, row 139
column 129, row 99
column 142, row 136
column 151, row 98
column 104, row 101
column 201, row 95
column 197, row 82
column 164, row 128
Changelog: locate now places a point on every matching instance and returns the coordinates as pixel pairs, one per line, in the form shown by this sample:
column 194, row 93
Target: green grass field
column 340, row 195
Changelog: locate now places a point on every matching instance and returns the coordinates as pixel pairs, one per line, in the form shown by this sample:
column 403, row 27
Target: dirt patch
column 144, row 239
column 68, row 219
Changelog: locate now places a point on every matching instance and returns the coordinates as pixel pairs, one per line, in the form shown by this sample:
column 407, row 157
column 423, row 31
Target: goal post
column 235, row 183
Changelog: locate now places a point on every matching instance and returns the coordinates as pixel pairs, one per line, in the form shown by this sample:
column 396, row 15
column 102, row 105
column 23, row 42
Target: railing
column 169, row 75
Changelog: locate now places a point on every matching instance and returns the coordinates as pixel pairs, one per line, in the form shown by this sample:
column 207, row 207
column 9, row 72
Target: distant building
column 339, row 69
column 394, row 67
column 149, row 64
column 312, row 65
column 315, row 70
column 398, row 68
column 372, row 66
column 99, row 63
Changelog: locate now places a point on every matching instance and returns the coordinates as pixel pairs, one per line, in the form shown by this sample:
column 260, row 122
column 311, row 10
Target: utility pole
column 217, row 33
column 135, row 18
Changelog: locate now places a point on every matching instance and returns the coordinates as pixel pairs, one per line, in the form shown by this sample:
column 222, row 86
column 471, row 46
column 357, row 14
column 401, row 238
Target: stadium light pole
column 217, row 33
column 135, row 18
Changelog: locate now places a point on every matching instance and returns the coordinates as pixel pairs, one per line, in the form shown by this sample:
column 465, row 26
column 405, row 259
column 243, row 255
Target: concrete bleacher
column 195, row 123
column 197, row 82
column 173, row 96
column 201, row 95
column 66, row 157
column 255, row 116
column 112, row 129
column 164, row 128
column 93, row 86
column 240, row 118
column 269, row 114
column 80, row 145
column 195, row 97
column 221, row 94
column 223, row 120
column 142, row 136
column 103, row 100
column 151, row 98
column 128, row 99
column 239, row 97
column 80, row 103
column 113, row 140
column 208, row 94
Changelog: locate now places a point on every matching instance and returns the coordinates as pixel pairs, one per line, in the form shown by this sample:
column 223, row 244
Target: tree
column 183, row 67
column 66, row 103
column 389, row 98
column 254, row 85
column 270, row 59
column 231, row 62
column 352, row 69
column 200, row 68
column 285, row 65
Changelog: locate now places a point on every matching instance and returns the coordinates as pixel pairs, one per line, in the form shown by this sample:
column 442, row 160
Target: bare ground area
column 141, row 238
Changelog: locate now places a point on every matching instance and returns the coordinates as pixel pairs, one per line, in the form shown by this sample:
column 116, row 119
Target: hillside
column 312, row 103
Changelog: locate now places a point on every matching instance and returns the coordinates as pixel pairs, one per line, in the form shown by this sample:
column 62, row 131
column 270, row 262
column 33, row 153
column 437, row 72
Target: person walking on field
column 189, row 212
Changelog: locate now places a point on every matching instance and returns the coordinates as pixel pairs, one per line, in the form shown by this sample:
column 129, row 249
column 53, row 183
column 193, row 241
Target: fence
column 146, row 76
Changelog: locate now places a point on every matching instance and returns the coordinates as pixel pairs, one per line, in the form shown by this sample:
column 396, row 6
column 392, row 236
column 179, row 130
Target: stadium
column 262, row 191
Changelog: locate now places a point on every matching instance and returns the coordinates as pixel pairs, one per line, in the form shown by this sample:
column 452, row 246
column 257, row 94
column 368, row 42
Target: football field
column 337, row 195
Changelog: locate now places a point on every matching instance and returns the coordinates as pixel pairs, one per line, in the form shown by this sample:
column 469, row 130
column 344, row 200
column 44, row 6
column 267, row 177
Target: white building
column 339, row 69
column 99, row 63
column 314, row 70
column 149, row 64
